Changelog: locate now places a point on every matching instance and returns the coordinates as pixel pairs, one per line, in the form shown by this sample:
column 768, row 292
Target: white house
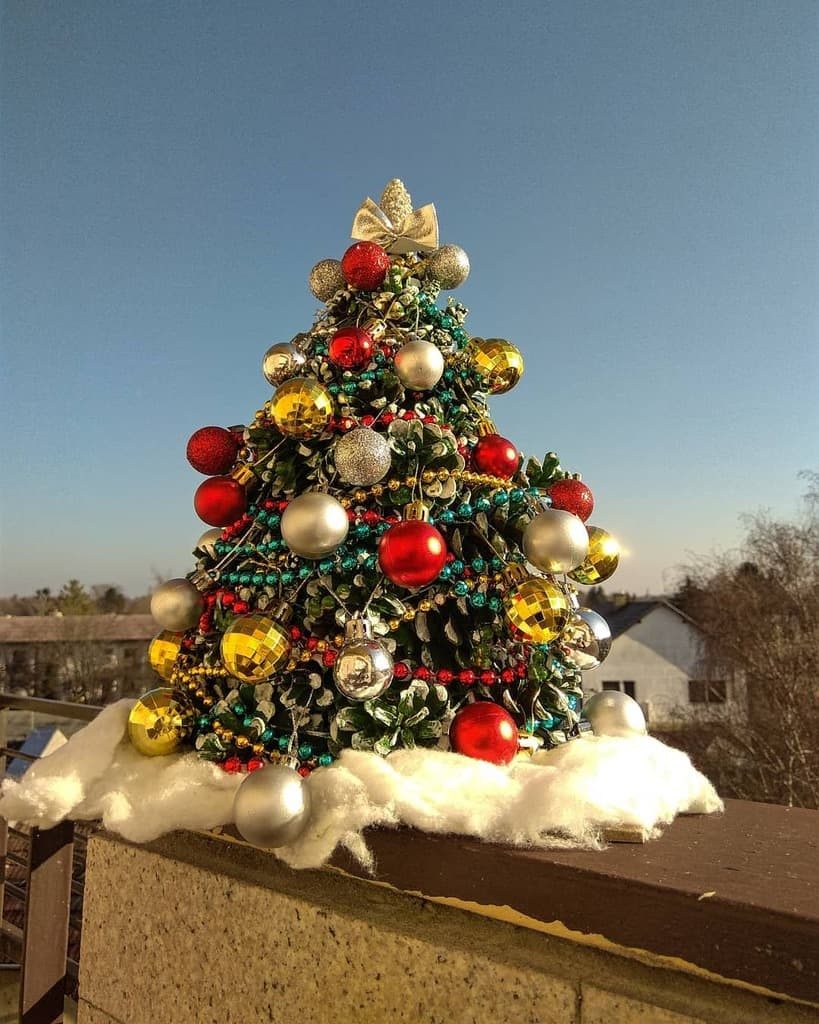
column 655, row 657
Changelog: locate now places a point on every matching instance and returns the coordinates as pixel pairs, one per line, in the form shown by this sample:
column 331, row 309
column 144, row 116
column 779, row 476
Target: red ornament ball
column 365, row 265
column 351, row 348
column 212, row 450
column 496, row 456
column 220, row 500
column 412, row 553
column 486, row 731
column 572, row 496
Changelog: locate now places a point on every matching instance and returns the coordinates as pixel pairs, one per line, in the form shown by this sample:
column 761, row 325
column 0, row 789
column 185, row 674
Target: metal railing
column 42, row 886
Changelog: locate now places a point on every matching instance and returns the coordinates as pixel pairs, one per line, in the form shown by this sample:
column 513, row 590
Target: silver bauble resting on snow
column 272, row 807
column 419, row 365
column 177, row 605
column 449, row 266
column 362, row 457
column 363, row 668
column 208, row 539
column 282, row 361
column 314, row 525
column 612, row 713
column 587, row 639
column 326, row 278
column 555, row 541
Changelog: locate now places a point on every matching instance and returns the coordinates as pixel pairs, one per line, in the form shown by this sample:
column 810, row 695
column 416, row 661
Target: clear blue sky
column 635, row 182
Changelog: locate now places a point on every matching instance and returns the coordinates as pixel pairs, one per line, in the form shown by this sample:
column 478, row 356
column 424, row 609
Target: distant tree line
column 74, row 599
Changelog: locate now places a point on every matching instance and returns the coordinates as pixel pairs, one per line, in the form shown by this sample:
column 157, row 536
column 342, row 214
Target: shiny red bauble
column 365, row 265
column 212, row 450
column 496, row 456
column 572, row 496
column 351, row 348
column 220, row 501
column 486, row 731
column 412, row 553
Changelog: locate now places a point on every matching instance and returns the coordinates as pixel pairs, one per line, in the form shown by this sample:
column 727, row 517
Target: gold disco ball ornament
column 159, row 722
column 163, row 651
column 538, row 608
column 498, row 362
column 601, row 561
column 253, row 647
column 301, row 407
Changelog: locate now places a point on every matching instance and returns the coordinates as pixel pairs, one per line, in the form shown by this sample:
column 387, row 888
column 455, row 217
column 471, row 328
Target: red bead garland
column 212, row 450
column 496, row 456
column 220, row 500
column 572, row 496
column 351, row 348
column 365, row 265
column 485, row 731
column 412, row 553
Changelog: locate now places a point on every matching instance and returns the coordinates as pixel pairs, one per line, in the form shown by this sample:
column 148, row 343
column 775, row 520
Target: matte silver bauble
column 449, row 266
column 282, row 361
column 362, row 457
column 363, row 668
column 314, row 525
column 177, row 605
column 272, row 807
column 326, row 278
column 587, row 639
column 207, row 541
column 419, row 365
column 612, row 713
column 555, row 541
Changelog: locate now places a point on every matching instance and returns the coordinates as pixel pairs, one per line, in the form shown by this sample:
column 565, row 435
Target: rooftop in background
column 43, row 629
column 622, row 619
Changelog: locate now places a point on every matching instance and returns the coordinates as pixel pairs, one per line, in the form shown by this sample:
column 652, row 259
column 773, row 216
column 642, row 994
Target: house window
column 707, row 691
column 623, row 686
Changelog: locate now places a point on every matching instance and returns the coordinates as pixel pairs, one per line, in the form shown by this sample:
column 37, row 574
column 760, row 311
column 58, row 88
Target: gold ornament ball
column 538, row 608
column 208, row 540
column 163, row 651
column 159, row 722
column 449, row 266
column 176, row 605
column 498, row 362
column 601, row 561
column 253, row 647
column 281, row 361
column 326, row 278
column 301, row 407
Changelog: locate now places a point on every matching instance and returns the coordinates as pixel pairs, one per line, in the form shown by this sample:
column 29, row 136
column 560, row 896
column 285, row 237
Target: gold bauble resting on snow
column 253, row 647
column 538, row 608
column 498, row 362
column 163, row 651
column 601, row 561
column 301, row 407
column 159, row 722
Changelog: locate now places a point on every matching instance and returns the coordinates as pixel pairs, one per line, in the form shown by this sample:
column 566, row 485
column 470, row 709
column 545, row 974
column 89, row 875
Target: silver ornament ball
column 176, row 605
column 449, row 266
column 363, row 668
column 587, row 639
column 362, row 457
column 612, row 713
column 555, row 541
column 419, row 365
column 272, row 807
column 207, row 541
column 314, row 525
column 326, row 278
column 281, row 361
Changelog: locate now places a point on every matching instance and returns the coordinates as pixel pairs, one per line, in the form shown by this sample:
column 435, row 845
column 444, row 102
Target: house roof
column 43, row 629
column 621, row 620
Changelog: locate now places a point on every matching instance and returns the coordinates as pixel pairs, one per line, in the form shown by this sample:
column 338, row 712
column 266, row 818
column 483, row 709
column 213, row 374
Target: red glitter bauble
column 496, row 456
column 220, row 500
column 412, row 553
column 572, row 496
column 351, row 348
column 365, row 265
column 212, row 450
column 486, row 731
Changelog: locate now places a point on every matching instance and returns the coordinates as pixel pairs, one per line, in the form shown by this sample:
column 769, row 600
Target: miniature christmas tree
column 382, row 571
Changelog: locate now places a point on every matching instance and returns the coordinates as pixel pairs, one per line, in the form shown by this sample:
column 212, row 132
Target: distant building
column 656, row 658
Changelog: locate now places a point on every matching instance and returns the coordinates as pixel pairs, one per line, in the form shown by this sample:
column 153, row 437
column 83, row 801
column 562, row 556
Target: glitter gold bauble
column 326, row 279
column 601, row 561
column 253, row 647
column 159, row 722
column 538, row 608
column 281, row 361
column 301, row 407
column 449, row 266
column 163, row 651
column 362, row 457
column 498, row 362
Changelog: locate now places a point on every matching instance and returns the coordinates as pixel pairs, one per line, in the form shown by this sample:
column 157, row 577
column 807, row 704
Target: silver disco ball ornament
column 314, row 525
column 555, row 541
column 177, row 605
column 282, row 361
column 326, row 278
column 419, row 365
column 272, row 807
column 362, row 457
column 449, row 266
column 208, row 540
column 587, row 639
column 363, row 668
column 611, row 713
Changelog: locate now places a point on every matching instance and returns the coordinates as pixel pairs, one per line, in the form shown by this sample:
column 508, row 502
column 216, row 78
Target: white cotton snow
column 558, row 798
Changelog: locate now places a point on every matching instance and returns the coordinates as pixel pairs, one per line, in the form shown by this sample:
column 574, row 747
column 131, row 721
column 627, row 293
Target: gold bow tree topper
column 395, row 225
